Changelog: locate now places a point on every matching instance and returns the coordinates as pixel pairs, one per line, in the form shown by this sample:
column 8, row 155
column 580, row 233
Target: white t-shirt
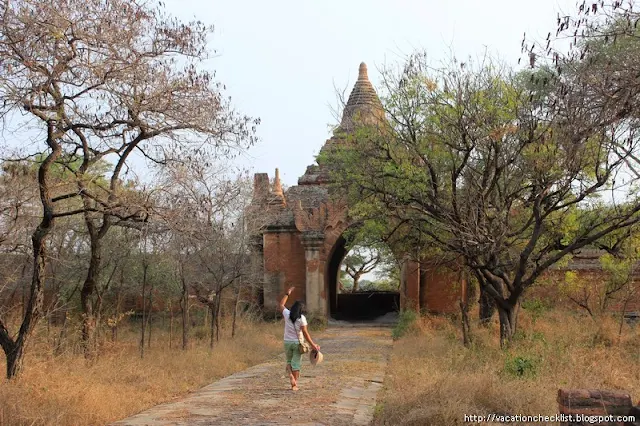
column 291, row 332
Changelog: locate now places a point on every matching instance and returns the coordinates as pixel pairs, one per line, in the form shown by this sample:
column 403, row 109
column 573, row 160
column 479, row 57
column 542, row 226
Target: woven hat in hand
column 315, row 357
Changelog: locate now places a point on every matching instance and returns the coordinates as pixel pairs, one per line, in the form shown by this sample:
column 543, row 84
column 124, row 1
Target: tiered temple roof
column 363, row 104
column 363, row 108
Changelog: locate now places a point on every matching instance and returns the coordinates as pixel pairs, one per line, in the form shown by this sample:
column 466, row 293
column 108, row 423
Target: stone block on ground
column 593, row 402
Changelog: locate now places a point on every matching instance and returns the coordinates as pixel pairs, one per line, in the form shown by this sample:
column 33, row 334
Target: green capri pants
column 293, row 354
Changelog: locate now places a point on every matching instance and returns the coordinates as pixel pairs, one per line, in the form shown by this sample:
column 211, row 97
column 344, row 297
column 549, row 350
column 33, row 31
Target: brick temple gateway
column 301, row 243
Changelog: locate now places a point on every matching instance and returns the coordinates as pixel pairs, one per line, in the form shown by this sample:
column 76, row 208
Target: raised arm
column 284, row 298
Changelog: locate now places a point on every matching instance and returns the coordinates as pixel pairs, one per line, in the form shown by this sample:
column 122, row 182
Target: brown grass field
column 432, row 379
column 68, row 390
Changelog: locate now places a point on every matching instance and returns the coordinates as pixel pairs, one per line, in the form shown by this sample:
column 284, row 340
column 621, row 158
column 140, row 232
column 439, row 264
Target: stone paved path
column 340, row 391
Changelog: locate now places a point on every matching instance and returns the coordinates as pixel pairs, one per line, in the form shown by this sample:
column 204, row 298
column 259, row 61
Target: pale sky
column 280, row 59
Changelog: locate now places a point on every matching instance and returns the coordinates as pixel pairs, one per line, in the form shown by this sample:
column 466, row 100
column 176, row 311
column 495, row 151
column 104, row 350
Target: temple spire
column 362, row 72
column 277, row 185
column 363, row 106
column 363, row 109
column 276, row 197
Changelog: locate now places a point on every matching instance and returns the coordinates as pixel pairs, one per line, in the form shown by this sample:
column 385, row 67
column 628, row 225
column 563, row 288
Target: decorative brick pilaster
column 313, row 242
column 410, row 285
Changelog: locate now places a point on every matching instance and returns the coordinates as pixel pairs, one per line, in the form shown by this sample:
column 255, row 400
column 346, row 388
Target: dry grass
column 433, row 380
column 66, row 390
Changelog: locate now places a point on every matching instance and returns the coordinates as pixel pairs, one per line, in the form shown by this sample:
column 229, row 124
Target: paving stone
column 340, row 391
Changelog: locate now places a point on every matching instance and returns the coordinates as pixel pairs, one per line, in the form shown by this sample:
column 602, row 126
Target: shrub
column 406, row 322
column 536, row 307
column 520, row 366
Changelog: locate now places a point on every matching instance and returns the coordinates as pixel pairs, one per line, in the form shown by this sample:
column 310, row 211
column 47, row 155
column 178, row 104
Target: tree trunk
column 149, row 323
column 24, row 300
column 144, row 306
column 184, row 305
column 356, row 283
column 149, row 314
column 170, row 325
column 508, row 321
column 62, row 336
column 98, row 319
column 97, row 312
column 218, row 315
column 235, row 313
column 487, row 307
column 88, row 289
column 14, row 349
column 14, row 360
column 624, row 311
column 114, row 330
column 212, row 307
column 467, row 338
column 118, row 304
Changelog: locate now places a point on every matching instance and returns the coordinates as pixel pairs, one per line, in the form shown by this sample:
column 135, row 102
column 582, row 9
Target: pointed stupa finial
column 276, row 198
column 277, row 185
column 362, row 72
column 363, row 106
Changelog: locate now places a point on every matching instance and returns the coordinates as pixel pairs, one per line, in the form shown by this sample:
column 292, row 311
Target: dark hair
column 296, row 311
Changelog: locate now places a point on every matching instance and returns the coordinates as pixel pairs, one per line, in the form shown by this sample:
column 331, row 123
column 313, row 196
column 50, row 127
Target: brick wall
column 441, row 289
column 284, row 266
column 546, row 289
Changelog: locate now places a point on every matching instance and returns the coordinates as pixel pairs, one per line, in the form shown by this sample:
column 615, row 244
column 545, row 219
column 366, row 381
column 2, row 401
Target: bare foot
column 294, row 388
column 292, row 379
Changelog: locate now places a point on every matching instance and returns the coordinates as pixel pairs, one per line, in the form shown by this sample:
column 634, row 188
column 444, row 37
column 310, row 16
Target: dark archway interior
column 361, row 306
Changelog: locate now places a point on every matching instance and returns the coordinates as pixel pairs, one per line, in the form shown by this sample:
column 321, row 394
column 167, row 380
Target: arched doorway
column 364, row 305
column 300, row 238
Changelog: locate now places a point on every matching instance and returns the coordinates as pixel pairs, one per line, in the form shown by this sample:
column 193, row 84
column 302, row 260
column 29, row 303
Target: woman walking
column 295, row 324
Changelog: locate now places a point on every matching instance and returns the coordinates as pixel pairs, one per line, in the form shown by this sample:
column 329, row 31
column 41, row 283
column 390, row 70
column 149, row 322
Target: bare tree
column 184, row 301
column 106, row 81
column 18, row 197
column 204, row 208
column 13, row 346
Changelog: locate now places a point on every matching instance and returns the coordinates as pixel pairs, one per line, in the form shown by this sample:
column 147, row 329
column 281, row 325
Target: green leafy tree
column 506, row 177
column 360, row 261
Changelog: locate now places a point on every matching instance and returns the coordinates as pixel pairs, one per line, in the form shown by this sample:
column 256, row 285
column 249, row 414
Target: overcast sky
column 282, row 59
